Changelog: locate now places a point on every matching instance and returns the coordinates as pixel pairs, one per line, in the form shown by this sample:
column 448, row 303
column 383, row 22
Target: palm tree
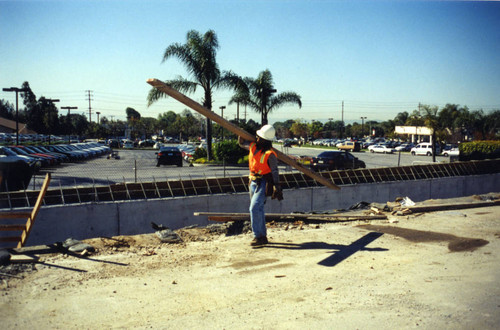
column 198, row 55
column 431, row 120
column 259, row 95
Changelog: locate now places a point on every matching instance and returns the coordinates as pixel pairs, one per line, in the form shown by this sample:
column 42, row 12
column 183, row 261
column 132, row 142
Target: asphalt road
column 140, row 166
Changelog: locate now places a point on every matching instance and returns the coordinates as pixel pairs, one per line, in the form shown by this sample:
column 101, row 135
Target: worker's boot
column 259, row 241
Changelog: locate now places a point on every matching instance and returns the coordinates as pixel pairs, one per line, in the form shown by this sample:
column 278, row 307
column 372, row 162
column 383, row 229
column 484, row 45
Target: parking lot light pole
column 222, row 115
column 17, row 90
column 51, row 101
column 69, row 121
column 362, row 126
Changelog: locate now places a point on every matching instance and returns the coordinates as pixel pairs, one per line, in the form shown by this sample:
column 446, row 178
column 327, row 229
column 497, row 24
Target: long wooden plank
column 246, row 216
column 456, row 206
column 311, row 218
column 34, row 212
column 160, row 85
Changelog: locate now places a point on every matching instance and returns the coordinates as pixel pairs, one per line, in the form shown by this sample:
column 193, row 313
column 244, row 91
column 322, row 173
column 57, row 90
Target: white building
column 417, row 133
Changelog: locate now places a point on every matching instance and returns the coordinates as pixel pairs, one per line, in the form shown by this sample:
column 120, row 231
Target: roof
column 9, row 126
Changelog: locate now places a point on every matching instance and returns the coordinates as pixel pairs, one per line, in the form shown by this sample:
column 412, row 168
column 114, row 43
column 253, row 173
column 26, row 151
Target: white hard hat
column 267, row 132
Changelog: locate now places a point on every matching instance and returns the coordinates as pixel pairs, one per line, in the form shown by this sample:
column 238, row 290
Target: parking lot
column 138, row 165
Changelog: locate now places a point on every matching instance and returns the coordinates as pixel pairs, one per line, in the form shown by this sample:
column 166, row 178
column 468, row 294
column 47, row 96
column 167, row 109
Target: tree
column 315, row 128
column 7, row 110
column 401, row 118
column 198, row 55
column 132, row 114
column 299, row 128
column 80, row 124
column 259, row 95
column 415, row 119
column 431, row 121
column 165, row 122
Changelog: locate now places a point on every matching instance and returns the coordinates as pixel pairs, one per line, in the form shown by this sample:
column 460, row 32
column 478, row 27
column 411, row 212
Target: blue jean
column 257, row 202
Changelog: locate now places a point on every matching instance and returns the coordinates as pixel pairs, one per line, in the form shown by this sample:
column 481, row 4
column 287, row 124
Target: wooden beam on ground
column 223, row 217
column 160, row 85
column 457, row 206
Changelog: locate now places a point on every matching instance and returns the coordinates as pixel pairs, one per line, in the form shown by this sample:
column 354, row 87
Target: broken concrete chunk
column 168, row 236
column 74, row 245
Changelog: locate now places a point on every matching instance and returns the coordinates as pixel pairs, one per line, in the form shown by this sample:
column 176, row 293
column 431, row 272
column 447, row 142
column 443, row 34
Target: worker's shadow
column 343, row 251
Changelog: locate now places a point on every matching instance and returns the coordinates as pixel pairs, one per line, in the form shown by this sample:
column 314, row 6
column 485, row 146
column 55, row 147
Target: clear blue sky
column 379, row 57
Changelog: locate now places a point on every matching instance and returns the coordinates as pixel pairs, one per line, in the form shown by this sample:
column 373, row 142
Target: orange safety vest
column 258, row 161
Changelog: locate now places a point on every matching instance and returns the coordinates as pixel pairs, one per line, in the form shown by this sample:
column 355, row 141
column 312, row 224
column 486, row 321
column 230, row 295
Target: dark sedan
column 169, row 156
column 335, row 160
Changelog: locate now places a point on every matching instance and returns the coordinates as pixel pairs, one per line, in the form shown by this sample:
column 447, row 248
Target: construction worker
column 264, row 179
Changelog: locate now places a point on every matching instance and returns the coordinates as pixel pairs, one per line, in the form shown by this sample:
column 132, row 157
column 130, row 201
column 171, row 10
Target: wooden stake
column 160, row 85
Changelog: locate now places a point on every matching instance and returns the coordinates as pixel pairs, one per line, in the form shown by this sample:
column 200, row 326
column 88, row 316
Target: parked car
column 405, row 147
column 349, row 145
column 424, row 148
column 33, row 163
column 128, row 144
column 187, row 151
column 16, row 174
column 450, row 152
column 335, row 160
column 113, row 143
column 169, row 156
column 146, row 143
column 381, row 148
column 158, row 145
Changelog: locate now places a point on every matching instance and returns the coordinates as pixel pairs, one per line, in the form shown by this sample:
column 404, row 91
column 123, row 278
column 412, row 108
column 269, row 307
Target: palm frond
column 283, row 99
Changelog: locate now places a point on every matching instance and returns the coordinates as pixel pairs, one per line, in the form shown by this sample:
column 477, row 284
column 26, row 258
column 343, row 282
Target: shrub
column 478, row 150
column 229, row 151
column 200, row 153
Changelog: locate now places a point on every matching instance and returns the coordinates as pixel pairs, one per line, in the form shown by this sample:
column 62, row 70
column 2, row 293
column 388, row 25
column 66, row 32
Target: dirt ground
column 434, row 270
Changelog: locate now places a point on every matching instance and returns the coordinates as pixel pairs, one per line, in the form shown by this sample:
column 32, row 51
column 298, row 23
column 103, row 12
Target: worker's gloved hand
column 277, row 193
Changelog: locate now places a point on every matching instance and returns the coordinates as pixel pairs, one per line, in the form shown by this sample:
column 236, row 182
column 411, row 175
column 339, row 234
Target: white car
column 424, row 148
column 381, row 148
column 404, row 147
column 450, row 152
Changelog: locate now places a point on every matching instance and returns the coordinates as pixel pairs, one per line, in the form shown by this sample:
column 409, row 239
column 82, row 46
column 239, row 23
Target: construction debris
column 76, row 246
column 165, row 234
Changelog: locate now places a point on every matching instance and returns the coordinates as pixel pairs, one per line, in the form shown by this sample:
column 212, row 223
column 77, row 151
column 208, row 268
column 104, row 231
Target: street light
column 17, row 90
column 52, row 101
column 362, row 126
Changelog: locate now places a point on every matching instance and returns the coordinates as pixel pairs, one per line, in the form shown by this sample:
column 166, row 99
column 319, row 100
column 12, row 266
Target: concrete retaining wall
column 57, row 223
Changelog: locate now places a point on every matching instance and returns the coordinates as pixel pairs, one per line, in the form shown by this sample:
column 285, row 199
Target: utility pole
column 69, row 121
column 238, row 112
column 51, row 101
column 90, row 106
column 342, row 129
column 17, row 90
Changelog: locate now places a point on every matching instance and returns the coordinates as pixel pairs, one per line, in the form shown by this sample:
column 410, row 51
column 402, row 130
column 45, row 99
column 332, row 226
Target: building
column 9, row 126
column 417, row 133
